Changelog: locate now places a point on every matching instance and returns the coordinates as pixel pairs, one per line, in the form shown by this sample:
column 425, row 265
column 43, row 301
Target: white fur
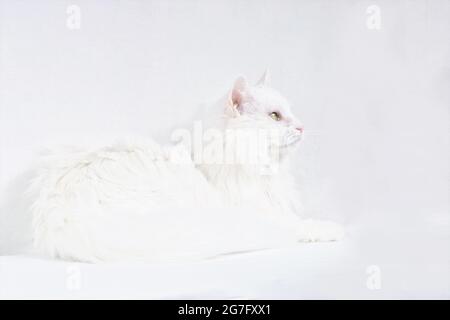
column 136, row 201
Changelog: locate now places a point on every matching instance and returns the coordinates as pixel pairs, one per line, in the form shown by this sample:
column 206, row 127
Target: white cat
column 138, row 200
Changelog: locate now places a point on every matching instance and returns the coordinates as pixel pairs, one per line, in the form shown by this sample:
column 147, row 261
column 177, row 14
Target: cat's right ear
column 265, row 79
column 237, row 95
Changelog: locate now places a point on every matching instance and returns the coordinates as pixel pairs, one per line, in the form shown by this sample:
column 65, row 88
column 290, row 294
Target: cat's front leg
column 319, row 230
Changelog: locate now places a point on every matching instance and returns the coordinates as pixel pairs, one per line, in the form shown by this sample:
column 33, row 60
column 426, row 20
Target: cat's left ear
column 239, row 91
column 237, row 96
column 265, row 79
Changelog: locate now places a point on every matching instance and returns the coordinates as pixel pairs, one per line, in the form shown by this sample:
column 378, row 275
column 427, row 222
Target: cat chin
column 291, row 142
column 286, row 150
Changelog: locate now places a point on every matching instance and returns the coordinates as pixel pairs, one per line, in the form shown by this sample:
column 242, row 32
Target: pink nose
column 300, row 129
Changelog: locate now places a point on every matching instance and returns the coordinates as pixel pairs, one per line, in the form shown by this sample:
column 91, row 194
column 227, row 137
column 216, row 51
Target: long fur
column 136, row 200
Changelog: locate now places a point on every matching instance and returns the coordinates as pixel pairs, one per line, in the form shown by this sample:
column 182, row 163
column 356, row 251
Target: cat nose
column 300, row 129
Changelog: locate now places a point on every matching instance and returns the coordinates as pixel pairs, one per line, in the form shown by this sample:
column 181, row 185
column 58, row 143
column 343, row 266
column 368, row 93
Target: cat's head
column 262, row 107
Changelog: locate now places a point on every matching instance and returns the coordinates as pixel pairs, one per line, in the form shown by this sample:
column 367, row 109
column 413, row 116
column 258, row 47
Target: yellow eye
column 275, row 116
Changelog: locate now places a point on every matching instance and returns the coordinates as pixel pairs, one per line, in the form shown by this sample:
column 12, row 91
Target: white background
column 374, row 102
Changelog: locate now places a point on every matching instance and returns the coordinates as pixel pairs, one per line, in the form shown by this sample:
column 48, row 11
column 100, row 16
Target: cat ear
column 237, row 96
column 265, row 79
column 239, row 90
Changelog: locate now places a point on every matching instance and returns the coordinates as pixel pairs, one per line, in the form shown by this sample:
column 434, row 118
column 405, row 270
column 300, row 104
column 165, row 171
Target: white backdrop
column 373, row 94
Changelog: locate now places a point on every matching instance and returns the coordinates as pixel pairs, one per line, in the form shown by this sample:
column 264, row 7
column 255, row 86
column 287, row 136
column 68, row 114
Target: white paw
column 319, row 230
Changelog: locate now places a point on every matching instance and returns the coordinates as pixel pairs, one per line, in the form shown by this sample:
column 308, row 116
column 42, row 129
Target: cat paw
column 319, row 230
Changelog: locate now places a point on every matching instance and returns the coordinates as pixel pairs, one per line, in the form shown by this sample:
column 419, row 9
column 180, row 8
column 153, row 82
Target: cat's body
column 138, row 200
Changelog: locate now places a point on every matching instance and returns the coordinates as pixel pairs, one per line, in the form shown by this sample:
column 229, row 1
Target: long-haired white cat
column 139, row 200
